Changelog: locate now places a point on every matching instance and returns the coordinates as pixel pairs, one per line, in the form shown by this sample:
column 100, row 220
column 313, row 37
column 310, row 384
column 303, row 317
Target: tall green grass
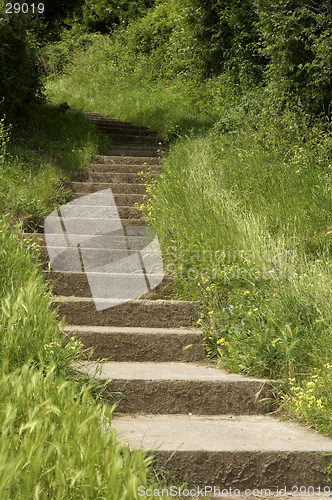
column 56, row 442
column 121, row 85
column 29, row 331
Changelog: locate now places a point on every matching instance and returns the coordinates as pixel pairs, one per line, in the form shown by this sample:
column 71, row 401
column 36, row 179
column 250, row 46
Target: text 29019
column 16, row 8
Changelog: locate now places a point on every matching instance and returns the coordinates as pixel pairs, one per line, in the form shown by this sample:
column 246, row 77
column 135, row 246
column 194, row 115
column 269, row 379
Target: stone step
column 126, row 160
column 98, row 118
column 93, row 257
column 226, row 451
column 122, row 168
column 40, row 239
column 97, row 211
column 141, row 344
column 117, row 136
column 138, row 312
column 77, row 225
column 128, row 200
column 77, row 285
column 102, row 120
column 181, row 388
column 139, row 147
column 99, row 215
column 109, row 177
column 125, row 212
column 93, row 187
column 110, row 241
column 126, row 130
column 135, row 152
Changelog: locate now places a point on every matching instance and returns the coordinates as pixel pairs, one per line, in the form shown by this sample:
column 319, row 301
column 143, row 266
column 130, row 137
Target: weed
column 56, row 442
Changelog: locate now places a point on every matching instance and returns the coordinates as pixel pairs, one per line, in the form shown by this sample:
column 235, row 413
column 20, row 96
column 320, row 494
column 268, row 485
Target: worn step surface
column 117, row 188
column 109, row 177
column 139, row 144
column 159, row 387
column 126, row 160
column 135, row 152
column 77, row 285
column 122, row 168
column 144, row 313
column 239, row 451
column 114, row 129
column 127, row 199
column 93, row 258
column 130, row 136
column 141, row 344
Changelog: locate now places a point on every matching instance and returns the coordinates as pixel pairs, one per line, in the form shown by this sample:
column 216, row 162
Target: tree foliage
column 284, row 45
column 227, row 30
column 296, row 38
column 102, row 15
column 21, row 68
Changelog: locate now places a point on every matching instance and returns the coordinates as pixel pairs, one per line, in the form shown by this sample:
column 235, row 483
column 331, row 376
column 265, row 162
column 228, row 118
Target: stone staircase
column 205, row 426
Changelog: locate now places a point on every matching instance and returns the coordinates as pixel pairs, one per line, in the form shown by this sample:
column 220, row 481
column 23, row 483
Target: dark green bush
column 102, row 15
column 59, row 54
column 229, row 38
column 21, row 79
column 296, row 38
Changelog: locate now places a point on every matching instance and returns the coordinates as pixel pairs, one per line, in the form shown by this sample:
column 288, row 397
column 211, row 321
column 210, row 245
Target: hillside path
column 205, row 426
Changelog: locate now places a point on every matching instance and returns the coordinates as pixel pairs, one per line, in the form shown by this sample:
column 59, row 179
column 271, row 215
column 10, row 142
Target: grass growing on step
column 38, row 155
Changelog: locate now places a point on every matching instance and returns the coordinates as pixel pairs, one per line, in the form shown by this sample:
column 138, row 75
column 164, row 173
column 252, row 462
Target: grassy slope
column 37, row 155
column 242, row 208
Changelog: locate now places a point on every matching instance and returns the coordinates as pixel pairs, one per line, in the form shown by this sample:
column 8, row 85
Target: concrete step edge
column 77, row 285
column 110, row 177
column 133, row 330
column 126, row 137
column 123, row 152
column 180, row 388
column 146, row 302
column 157, row 313
column 141, row 344
column 122, row 168
column 117, row 187
column 104, row 159
column 241, row 452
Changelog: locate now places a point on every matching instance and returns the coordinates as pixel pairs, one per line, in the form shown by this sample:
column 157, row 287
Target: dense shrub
column 228, row 36
column 102, row 15
column 21, row 70
column 296, row 38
